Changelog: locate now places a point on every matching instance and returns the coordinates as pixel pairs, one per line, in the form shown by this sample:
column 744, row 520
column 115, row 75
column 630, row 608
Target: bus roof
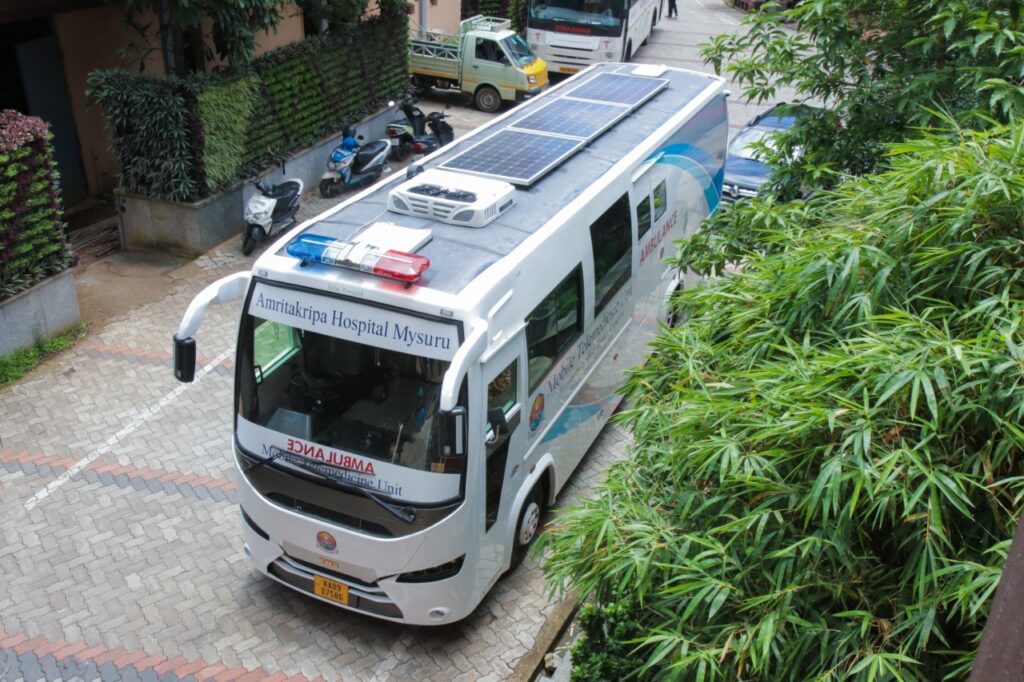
column 459, row 254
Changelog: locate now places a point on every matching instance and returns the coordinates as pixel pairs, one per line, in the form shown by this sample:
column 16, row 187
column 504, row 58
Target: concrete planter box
column 48, row 308
column 192, row 229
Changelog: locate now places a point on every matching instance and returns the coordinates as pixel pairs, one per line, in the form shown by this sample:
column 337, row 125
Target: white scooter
column 270, row 208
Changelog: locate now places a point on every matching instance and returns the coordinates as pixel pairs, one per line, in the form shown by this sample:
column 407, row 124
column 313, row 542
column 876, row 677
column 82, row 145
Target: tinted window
column 488, row 50
column 643, row 217
column 660, row 200
column 610, row 239
column 554, row 325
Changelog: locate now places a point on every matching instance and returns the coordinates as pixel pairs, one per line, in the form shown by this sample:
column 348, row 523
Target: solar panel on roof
column 518, row 156
column 573, row 117
column 618, row 88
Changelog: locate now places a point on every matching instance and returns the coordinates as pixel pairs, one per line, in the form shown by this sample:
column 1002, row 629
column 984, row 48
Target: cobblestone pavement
column 120, row 539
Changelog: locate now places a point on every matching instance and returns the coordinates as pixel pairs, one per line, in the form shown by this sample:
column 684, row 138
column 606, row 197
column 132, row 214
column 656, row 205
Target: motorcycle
column 270, row 208
column 352, row 164
column 410, row 136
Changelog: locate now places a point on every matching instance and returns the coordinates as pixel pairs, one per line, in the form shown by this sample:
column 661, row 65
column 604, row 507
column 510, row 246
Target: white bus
column 573, row 34
column 420, row 369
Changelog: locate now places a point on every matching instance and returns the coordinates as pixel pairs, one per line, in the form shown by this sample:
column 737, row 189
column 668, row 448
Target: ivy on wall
column 33, row 243
column 514, row 10
column 225, row 111
column 214, row 128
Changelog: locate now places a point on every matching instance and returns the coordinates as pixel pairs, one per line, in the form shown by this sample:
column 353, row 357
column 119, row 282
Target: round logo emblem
column 326, row 541
column 537, row 412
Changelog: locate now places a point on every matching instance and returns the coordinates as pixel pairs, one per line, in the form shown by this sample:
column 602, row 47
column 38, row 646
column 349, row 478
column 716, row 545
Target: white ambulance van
column 420, row 369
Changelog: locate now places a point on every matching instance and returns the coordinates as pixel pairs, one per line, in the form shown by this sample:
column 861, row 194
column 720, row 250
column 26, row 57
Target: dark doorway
column 38, row 87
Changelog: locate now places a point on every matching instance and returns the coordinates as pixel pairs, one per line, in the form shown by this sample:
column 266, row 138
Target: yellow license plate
column 568, row 69
column 330, row 589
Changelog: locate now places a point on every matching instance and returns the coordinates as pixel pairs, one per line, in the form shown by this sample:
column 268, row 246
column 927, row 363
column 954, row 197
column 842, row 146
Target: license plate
column 568, row 69
column 330, row 589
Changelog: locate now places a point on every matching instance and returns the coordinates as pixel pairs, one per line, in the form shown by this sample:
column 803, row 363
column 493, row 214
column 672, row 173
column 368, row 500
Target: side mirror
column 360, row 137
column 184, row 359
column 457, row 432
column 496, row 416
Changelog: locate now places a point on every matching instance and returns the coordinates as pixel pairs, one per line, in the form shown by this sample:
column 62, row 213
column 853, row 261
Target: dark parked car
column 744, row 174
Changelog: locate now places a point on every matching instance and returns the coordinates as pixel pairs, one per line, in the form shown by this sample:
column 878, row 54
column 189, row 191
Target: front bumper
column 282, row 545
column 523, row 95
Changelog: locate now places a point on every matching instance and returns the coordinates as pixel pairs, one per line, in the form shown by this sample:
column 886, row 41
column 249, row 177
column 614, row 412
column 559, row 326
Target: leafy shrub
column 514, row 10
column 602, row 652
column 828, row 464
column 225, row 111
column 33, row 244
column 180, row 139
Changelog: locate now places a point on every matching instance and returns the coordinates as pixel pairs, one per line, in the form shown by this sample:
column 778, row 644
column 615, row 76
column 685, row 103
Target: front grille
column 364, row 597
column 310, row 509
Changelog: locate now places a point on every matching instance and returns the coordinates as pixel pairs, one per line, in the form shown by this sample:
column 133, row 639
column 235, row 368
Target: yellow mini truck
column 486, row 59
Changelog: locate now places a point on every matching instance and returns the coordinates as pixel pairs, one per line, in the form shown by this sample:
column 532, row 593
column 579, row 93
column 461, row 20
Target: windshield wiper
column 275, row 455
column 406, row 514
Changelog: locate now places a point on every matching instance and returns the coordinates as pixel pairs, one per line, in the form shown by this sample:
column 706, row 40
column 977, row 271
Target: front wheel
column 487, row 99
column 529, row 524
column 254, row 234
column 328, row 188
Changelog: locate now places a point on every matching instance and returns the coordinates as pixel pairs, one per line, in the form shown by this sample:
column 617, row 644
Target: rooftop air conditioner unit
column 452, row 198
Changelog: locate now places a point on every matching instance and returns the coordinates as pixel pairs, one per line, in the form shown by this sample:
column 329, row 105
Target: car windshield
column 518, row 50
column 598, row 13
column 746, row 143
column 371, row 402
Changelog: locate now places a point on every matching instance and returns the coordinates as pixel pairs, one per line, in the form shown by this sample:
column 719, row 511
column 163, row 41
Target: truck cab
column 486, row 60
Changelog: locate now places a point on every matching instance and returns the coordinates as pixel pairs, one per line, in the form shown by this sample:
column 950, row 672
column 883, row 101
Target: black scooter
column 410, row 136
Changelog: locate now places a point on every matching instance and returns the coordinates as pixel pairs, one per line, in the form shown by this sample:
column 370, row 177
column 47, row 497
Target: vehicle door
column 504, row 386
column 492, row 66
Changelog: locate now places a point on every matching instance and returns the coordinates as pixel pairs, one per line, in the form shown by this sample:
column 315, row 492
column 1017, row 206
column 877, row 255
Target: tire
column 487, row 99
column 527, row 526
column 254, row 234
column 628, row 54
column 328, row 188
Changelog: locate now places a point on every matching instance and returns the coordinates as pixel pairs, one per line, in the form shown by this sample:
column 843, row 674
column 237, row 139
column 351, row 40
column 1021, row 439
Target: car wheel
column 487, row 99
column 528, row 525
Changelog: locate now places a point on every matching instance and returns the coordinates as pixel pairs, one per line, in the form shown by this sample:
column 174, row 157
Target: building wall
column 289, row 30
column 443, row 15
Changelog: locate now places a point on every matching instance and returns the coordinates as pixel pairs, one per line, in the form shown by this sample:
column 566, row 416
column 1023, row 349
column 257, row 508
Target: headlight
column 257, row 215
column 332, row 165
column 531, row 79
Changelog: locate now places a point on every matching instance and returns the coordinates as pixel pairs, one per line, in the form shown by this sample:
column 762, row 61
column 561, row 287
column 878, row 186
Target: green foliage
column 21, row 362
column 225, row 112
column 33, row 244
column 179, row 139
column 334, row 12
column 514, row 10
column 603, row 651
column 234, row 23
column 150, row 123
column 829, row 458
column 880, row 68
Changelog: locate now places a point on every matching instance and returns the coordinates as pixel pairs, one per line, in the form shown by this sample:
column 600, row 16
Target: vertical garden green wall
column 213, row 129
column 515, row 10
column 33, row 244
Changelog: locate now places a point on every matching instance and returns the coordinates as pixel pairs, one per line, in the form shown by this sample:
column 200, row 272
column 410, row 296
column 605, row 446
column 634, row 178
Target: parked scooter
column 410, row 136
column 352, row 164
column 270, row 208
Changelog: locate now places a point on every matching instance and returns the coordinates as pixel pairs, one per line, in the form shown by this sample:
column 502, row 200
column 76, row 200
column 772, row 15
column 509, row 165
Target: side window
column 553, row 325
column 501, row 392
column 660, row 200
column 273, row 343
column 643, row 217
column 488, row 50
column 612, row 245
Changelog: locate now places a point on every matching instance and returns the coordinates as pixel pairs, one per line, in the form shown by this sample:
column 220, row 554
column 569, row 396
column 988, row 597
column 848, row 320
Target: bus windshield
column 598, row 17
column 376, row 404
column 518, row 50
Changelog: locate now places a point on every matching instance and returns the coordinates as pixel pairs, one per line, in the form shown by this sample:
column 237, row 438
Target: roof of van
column 459, row 254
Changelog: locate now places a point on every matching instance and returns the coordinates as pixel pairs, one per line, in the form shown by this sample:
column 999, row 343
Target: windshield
column 598, row 17
column 745, row 144
column 518, row 50
column 350, row 398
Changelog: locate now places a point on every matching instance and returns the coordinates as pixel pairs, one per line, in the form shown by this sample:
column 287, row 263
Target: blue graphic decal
column 695, row 161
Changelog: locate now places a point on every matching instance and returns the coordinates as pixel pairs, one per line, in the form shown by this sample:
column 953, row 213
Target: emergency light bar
column 396, row 265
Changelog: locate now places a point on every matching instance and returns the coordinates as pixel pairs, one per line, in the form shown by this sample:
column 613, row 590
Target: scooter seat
column 286, row 190
column 368, row 151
